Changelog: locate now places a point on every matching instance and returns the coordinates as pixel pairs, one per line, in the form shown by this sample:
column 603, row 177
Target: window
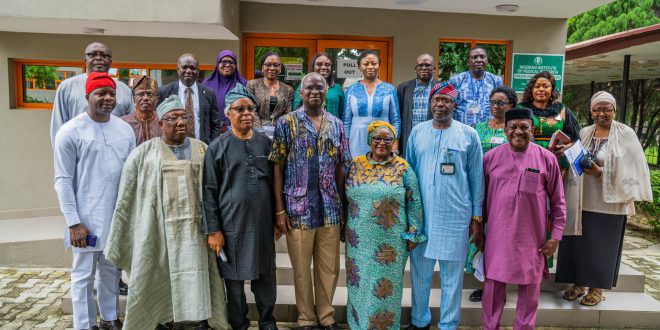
column 453, row 54
column 37, row 81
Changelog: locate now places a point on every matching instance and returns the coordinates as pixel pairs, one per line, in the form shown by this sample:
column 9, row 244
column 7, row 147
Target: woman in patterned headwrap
column 384, row 223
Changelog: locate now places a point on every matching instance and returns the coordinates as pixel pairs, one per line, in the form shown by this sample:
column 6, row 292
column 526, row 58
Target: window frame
column 473, row 43
column 19, row 91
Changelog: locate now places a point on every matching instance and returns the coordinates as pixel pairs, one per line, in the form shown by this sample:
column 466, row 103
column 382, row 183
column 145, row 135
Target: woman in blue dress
column 368, row 100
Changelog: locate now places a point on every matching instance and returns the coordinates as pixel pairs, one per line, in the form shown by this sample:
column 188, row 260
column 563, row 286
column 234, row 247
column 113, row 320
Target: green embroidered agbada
column 157, row 236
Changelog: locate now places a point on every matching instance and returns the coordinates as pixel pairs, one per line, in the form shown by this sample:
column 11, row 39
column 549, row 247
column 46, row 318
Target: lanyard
column 478, row 90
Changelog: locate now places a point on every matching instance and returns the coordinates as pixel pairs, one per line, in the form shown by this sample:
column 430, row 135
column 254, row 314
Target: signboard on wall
column 293, row 67
column 526, row 65
column 348, row 68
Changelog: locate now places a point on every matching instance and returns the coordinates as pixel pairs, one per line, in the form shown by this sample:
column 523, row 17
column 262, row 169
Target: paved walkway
column 31, row 298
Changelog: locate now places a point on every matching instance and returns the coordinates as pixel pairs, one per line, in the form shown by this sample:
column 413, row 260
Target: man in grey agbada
column 70, row 98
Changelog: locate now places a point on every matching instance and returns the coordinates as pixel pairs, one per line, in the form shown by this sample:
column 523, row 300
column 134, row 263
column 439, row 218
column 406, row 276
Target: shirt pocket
column 296, row 201
column 530, row 182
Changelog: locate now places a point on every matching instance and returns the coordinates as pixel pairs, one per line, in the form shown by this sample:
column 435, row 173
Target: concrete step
column 630, row 280
column 620, row 310
column 34, row 242
column 38, row 242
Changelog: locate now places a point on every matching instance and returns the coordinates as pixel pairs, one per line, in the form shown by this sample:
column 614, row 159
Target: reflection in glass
column 345, row 68
column 40, row 81
column 294, row 60
column 454, row 56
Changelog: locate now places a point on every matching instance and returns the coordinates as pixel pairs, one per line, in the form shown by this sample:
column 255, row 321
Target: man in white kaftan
column 89, row 152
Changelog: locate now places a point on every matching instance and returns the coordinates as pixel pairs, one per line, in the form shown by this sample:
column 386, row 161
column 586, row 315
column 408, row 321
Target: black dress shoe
column 306, row 327
column 110, row 325
column 163, row 327
column 476, row 295
column 202, row 325
column 123, row 288
column 333, row 326
column 413, row 327
column 94, row 328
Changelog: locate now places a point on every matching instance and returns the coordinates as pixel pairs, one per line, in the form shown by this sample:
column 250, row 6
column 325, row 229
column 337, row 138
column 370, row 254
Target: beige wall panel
column 414, row 32
column 26, row 165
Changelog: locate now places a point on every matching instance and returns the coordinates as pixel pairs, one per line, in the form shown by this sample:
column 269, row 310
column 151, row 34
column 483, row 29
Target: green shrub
column 652, row 209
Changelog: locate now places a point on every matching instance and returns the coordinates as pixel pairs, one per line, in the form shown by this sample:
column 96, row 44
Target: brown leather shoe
column 110, row 325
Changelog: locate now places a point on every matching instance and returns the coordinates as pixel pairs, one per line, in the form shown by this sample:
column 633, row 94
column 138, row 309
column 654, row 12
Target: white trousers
column 85, row 266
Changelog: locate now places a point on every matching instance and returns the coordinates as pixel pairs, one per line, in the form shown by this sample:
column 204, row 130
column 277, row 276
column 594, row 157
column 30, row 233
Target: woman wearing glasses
column 491, row 133
column 321, row 63
column 224, row 78
column 384, row 223
column 274, row 98
column 614, row 179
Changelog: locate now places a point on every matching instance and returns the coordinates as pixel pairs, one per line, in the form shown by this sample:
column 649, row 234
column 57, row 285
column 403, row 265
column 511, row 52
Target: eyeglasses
column 272, row 65
column 321, row 65
column 320, row 88
column 602, row 110
column 99, row 54
column 523, row 127
column 174, row 119
column 387, row 140
column 445, row 101
column 424, row 66
column 498, row 103
column 145, row 94
column 248, row 108
column 227, row 62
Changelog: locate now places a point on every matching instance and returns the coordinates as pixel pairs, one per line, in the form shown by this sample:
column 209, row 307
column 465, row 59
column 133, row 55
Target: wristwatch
column 477, row 218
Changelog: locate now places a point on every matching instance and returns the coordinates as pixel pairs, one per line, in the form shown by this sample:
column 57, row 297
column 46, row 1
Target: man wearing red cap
column 446, row 156
column 89, row 153
column 70, row 98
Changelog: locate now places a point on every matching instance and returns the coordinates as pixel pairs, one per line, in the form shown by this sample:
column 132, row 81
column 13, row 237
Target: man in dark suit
column 413, row 98
column 199, row 101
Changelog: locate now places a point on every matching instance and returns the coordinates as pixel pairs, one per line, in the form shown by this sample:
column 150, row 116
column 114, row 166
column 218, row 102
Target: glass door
column 345, row 53
column 294, row 53
column 453, row 55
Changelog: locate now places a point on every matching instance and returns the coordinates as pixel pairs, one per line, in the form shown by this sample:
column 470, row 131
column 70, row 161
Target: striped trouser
column 451, row 280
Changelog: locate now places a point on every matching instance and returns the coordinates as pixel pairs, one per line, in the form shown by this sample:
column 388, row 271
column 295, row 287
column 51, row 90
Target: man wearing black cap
column 521, row 177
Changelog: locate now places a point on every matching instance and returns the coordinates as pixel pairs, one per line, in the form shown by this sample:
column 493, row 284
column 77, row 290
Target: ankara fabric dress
column 157, row 236
column 384, row 205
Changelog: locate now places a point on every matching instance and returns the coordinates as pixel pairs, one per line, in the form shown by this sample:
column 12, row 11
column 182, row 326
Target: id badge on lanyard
column 448, row 167
column 474, row 103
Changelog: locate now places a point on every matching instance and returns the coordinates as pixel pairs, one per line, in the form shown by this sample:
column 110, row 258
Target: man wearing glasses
column 158, row 231
column 70, row 98
column 239, row 211
column 413, row 98
column 474, row 87
column 144, row 119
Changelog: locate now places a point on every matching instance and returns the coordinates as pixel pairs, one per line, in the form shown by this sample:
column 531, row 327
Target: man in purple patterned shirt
column 310, row 152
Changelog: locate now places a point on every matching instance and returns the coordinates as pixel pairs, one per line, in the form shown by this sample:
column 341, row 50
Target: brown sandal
column 573, row 293
column 592, row 298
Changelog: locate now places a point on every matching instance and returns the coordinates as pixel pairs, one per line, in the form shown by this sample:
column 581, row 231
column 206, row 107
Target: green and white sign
column 525, row 66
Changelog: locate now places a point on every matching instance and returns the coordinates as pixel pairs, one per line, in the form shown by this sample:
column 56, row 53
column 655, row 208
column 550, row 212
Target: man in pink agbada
column 521, row 178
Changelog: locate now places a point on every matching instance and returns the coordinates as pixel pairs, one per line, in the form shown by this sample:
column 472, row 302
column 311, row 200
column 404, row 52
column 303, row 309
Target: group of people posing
column 187, row 186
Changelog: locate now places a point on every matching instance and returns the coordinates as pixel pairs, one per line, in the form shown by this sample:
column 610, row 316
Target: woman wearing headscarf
column 224, row 78
column 385, row 216
column 321, row 63
column 613, row 181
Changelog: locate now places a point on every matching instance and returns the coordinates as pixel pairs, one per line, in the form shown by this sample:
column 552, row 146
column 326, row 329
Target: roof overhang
column 601, row 59
column 529, row 8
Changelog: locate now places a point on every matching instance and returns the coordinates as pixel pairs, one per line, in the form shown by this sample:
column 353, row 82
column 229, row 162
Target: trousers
column 451, row 283
column 88, row 266
column 322, row 245
column 264, row 289
column 494, row 297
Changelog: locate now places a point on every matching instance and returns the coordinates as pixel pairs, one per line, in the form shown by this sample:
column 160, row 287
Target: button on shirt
column 309, row 156
column 420, row 106
column 195, row 98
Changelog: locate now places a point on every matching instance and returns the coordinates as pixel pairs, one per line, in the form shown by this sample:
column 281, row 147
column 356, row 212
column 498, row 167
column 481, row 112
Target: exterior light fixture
column 93, row 30
column 507, row 8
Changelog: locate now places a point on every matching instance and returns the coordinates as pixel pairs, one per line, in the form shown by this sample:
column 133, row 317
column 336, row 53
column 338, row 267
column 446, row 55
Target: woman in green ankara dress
column 385, row 222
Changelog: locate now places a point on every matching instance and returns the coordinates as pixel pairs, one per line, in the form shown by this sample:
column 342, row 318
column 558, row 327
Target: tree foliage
column 618, row 16
column 44, row 76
